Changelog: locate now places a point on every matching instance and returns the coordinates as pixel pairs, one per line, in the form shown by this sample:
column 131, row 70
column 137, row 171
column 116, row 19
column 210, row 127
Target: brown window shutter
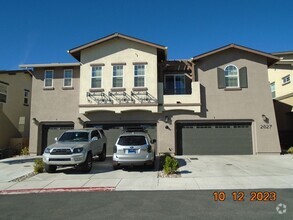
column 221, row 78
column 243, row 77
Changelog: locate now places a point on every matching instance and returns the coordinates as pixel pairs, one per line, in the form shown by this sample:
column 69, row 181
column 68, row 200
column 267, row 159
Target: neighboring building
column 15, row 95
column 280, row 78
column 215, row 103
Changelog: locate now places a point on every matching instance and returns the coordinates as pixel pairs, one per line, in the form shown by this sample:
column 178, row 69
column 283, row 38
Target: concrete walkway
column 196, row 173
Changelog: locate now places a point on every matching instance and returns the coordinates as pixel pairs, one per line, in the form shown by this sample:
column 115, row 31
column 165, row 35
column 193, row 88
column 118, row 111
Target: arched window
column 231, row 76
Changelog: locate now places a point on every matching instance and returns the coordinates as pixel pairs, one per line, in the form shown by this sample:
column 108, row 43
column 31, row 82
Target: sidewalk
column 196, row 173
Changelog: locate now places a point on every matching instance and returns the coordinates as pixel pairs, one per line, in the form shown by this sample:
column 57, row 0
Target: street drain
column 229, row 164
column 26, row 165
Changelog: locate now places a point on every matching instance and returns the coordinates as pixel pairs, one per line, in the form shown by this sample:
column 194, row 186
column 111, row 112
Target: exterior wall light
column 80, row 120
column 265, row 118
column 35, row 121
column 167, row 118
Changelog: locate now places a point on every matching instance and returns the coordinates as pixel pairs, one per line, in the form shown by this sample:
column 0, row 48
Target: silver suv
column 134, row 148
column 76, row 148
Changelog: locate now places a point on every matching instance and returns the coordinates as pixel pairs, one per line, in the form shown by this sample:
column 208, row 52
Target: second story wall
column 121, row 58
column 56, row 101
column 280, row 77
column 15, row 111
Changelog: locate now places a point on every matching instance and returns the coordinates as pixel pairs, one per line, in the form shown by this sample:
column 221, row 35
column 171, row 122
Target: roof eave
column 271, row 59
column 75, row 52
column 44, row 65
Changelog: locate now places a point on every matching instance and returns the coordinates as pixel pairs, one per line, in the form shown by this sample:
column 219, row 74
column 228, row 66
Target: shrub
column 290, row 150
column 171, row 165
column 39, row 165
column 25, row 151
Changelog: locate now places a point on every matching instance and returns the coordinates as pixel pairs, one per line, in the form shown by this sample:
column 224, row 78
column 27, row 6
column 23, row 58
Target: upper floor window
column 48, row 79
column 26, row 96
column 231, row 76
column 96, row 77
column 117, row 76
column 139, row 75
column 3, row 92
column 273, row 89
column 68, row 75
column 174, row 84
column 286, row 79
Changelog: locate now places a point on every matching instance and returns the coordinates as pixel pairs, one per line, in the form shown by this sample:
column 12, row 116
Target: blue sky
column 41, row 31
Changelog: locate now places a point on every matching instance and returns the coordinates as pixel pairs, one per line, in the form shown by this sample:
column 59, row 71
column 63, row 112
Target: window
column 117, row 76
column 3, row 93
column 286, row 79
column 231, row 76
column 273, row 89
column 174, row 84
column 26, row 97
column 139, row 75
column 48, row 81
column 68, row 75
column 96, row 77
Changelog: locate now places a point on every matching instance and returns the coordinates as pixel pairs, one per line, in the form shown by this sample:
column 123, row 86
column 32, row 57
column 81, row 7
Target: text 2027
column 265, row 126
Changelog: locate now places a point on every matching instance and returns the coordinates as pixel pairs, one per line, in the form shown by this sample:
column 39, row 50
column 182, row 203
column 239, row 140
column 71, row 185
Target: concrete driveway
column 196, row 173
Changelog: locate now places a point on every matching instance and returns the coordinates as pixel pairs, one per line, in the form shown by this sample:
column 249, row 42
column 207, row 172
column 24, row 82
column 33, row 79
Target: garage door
column 112, row 132
column 214, row 139
column 49, row 132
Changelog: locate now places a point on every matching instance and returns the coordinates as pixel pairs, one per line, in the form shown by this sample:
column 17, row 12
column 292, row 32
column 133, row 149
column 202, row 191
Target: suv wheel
column 50, row 168
column 102, row 155
column 87, row 165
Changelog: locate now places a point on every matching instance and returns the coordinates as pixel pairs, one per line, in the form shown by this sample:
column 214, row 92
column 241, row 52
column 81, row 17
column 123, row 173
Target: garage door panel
column 215, row 139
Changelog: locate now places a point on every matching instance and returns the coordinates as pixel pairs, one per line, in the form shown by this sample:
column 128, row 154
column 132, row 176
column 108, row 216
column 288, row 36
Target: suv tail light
column 115, row 149
column 149, row 148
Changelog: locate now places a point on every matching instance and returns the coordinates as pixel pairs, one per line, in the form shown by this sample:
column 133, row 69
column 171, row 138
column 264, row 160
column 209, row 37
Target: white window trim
column 6, row 94
column 273, row 83
column 238, row 77
column 118, row 76
column 287, row 82
column 101, row 77
column 71, row 81
column 144, row 76
column 46, row 78
column 26, row 97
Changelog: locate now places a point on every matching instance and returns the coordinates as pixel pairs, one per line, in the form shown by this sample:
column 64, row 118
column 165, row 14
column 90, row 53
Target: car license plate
column 132, row 151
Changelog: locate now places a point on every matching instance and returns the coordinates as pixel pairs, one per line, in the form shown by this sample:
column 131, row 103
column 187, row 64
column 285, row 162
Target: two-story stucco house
column 217, row 103
column 15, row 92
column 280, row 75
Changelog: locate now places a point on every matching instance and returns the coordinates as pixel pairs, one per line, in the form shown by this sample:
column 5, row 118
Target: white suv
column 134, row 148
column 76, row 148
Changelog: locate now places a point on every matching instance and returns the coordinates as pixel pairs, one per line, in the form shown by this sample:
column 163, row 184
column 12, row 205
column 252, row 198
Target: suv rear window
column 131, row 140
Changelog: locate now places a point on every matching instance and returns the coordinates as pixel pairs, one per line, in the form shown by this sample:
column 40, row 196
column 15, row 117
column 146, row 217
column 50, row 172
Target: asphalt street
column 151, row 205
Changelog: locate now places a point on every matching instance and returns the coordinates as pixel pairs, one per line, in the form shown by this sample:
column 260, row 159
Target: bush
column 290, row 150
column 171, row 165
column 25, row 151
column 39, row 165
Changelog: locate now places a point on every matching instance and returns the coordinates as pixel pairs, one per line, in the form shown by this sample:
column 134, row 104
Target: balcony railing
column 122, row 97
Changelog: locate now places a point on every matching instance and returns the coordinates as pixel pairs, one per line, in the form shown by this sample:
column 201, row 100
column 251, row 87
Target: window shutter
column 243, row 77
column 221, row 78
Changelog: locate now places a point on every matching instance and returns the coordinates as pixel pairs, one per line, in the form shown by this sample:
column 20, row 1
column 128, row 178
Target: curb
column 54, row 190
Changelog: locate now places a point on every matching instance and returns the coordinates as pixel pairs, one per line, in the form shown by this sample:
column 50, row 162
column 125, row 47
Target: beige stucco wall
column 57, row 105
column 14, row 108
column 246, row 104
column 118, row 51
column 276, row 73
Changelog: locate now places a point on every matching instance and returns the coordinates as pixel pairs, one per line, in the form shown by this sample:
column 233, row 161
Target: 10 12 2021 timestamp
column 242, row 196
